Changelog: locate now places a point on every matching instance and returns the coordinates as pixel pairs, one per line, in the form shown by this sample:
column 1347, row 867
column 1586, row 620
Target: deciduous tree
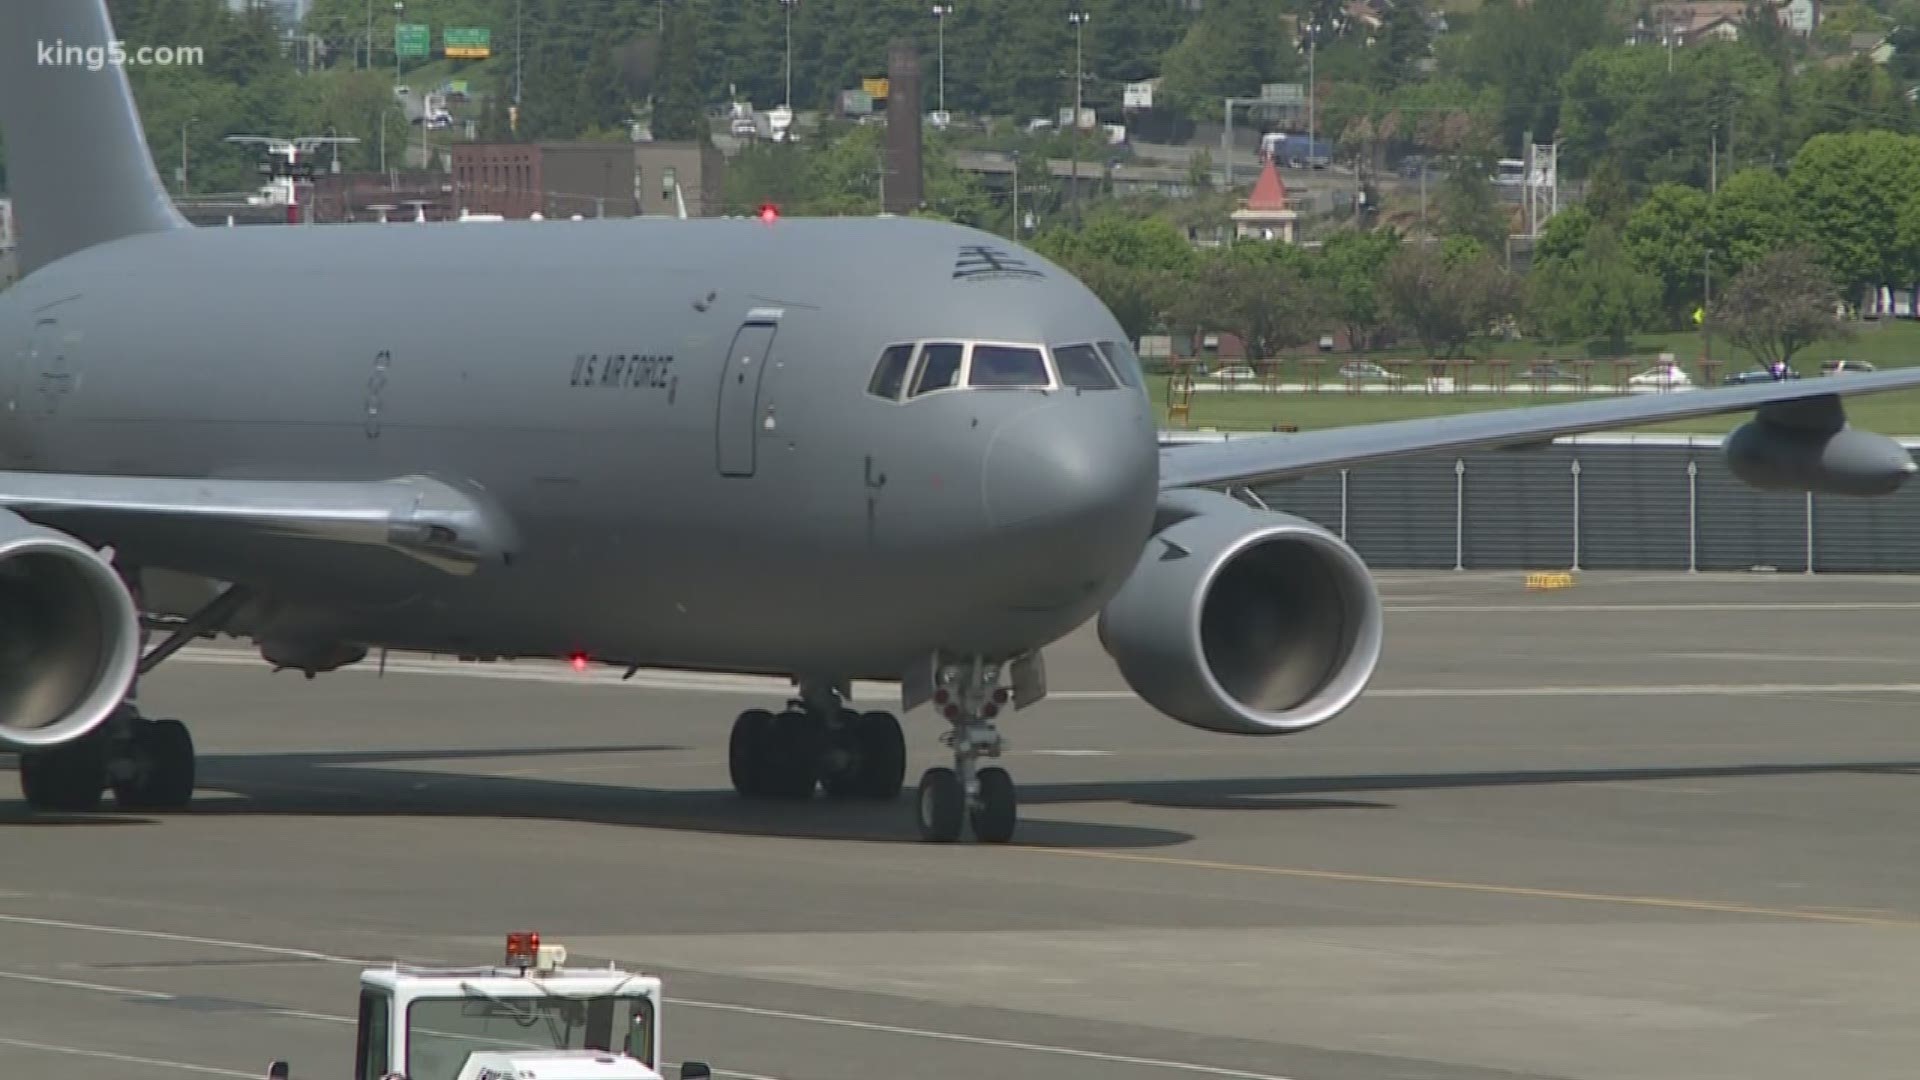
column 1780, row 305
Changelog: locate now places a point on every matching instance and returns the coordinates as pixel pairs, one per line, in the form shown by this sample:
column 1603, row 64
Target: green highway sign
column 467, row 43
column 413, row 39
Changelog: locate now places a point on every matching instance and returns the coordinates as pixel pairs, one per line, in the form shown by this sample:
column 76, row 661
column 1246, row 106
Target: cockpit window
column 1008, row 366
column 939, row 367
column 891, row 375
column 1081, row 367
column 1125, row 363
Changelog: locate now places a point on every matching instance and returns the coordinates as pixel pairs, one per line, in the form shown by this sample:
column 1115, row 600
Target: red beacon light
column 523, row 949
column 769, row 213
column 579, row 662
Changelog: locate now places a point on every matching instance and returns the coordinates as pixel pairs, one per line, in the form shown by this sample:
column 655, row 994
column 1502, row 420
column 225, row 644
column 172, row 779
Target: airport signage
column 467, row 43
column 876, row 88
column 855, row 103
column 1283, row 94
column 413, row 39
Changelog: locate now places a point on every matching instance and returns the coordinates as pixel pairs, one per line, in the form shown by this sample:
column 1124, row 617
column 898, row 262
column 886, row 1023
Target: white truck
column 532, row 1018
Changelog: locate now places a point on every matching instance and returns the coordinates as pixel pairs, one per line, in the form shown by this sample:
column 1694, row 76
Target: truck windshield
column 443, row 1032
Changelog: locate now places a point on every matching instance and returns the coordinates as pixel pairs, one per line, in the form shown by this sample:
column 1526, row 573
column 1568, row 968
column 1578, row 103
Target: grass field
column 1886, row 345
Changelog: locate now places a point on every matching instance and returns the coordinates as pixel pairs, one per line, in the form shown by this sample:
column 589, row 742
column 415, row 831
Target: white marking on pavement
column 1073, row 753
column 1672, row 690
column 75, row 984
column 129, row 1059
column 977, row 1040
column 187, row 939
column 1549, row 608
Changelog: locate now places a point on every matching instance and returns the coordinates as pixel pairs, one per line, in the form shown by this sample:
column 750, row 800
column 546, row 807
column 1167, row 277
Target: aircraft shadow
column 369, row 784
column 373, row 783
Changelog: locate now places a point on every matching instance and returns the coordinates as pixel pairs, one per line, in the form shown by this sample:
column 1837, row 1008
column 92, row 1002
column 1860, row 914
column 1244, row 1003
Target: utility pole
column 517, row 83
column 1016, row 195
column 1079, row 21
column 192, row 120
column 940, row 13
column 1713, row 159
column 1313, row 40
column 369, row 65
column 789, row 6
column 1706, row 303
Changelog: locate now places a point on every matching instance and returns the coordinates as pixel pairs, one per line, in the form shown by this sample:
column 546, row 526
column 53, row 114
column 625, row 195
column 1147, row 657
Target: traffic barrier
column 1549, row 579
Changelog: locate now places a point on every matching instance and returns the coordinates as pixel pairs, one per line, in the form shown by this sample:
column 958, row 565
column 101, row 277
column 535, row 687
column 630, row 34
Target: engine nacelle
column 1244, row 622
column 69, row 637
column 1841, row 460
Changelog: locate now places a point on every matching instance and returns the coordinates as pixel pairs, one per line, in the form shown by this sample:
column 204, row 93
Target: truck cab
column 532, row 1016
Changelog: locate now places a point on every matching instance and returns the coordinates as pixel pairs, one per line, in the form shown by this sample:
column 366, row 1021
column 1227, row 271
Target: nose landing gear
column 969, row 696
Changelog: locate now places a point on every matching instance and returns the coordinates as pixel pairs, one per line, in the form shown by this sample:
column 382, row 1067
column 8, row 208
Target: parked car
column 1546, row 372
column 1844, row 367
column 1759, row 375
column 1234, row 373
column 1363, row 369
column 1668, row 376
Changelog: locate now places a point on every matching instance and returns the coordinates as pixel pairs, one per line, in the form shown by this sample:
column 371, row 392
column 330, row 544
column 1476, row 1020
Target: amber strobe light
column 523, row 948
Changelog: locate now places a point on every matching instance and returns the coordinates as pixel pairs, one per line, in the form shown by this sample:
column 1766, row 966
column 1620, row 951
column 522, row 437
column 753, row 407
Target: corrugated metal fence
column 1598, row 503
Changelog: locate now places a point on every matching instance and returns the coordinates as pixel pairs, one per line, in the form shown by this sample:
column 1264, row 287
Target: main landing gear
column 147, row 764
column 817, row 741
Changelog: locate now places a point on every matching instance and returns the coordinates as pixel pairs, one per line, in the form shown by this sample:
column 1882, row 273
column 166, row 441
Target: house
column 1799, row 16
column 1873, row 45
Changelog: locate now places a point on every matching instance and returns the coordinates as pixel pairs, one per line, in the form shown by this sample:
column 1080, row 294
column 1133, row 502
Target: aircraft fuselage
column 679, row 501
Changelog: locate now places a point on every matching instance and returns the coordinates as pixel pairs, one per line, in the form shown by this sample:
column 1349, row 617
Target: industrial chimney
column 905, row 179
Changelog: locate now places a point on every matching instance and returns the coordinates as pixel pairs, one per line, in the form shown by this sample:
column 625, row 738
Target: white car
column 1668, row 376
column 1844, row 367
column 1362, row 369
column 1235, row 373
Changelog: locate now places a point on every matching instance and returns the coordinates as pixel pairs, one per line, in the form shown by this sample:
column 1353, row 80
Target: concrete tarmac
column 1653, row 826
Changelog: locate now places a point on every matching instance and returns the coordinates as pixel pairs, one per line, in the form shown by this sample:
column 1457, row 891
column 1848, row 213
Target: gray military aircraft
column 827, row 450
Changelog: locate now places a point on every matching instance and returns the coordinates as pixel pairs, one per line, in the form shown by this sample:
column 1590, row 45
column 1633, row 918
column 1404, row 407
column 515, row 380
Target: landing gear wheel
column 747, row 753
column 883, row 757
column 997, row 809
column 943, row 806
column 69, row 778
column 792, row 761
column 162, row 768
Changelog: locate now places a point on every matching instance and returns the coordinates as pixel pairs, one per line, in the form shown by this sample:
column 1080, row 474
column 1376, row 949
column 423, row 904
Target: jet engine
column 1827, row 457
column 69, row 637
column 1242, row 621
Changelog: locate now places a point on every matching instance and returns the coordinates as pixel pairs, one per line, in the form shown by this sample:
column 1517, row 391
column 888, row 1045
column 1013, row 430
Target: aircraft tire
column 70, row 778
column 164, row 774
column 747, row 756
column 998, row 810
column 942, row 806
column 883, row 757
column 793, row 756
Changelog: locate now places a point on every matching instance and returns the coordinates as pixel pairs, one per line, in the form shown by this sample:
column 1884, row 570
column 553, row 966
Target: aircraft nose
column 1089, row 469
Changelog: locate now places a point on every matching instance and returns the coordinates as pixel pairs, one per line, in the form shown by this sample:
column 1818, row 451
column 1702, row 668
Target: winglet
column 77, row 160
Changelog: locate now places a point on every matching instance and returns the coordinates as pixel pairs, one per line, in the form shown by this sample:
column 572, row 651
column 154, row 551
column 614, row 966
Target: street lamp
column 940, row 13
column 1079, row 21
column 789, row 5
column 1313, row 40
column 399, row 12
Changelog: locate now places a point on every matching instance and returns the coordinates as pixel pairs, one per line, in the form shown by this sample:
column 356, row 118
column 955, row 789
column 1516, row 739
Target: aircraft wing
column 1281, row 457
column 454, row 529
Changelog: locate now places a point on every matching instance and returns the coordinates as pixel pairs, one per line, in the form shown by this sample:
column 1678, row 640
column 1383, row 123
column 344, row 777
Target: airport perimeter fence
column 1644, row 502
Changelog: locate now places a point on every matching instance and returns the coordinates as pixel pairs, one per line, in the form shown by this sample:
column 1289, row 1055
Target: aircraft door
column 738, row 428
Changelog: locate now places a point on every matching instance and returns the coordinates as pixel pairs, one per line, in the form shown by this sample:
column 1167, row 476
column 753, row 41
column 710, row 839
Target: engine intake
column 69, row 637
column 1244, row 622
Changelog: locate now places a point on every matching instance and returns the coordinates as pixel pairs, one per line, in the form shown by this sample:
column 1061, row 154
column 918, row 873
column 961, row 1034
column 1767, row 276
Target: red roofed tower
column 1265, row 215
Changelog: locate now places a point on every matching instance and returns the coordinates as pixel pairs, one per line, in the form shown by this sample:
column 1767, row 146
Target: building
column 1266, row 215
column 1799, row 16
column 400, row 195
column 6, row 226
column 698, row 170
column 555, row 180
column 289, row 13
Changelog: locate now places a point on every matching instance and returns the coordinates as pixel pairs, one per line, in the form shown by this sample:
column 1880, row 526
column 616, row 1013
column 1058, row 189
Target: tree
column 678, row 103
column 1265, row 301
column 1443, row 297
column 1666, row 236
column 1469, row 207
column 1751, row 216
column 1349, row 269
column 1597, row 292
column 1780, row 305
column 1850, row 189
